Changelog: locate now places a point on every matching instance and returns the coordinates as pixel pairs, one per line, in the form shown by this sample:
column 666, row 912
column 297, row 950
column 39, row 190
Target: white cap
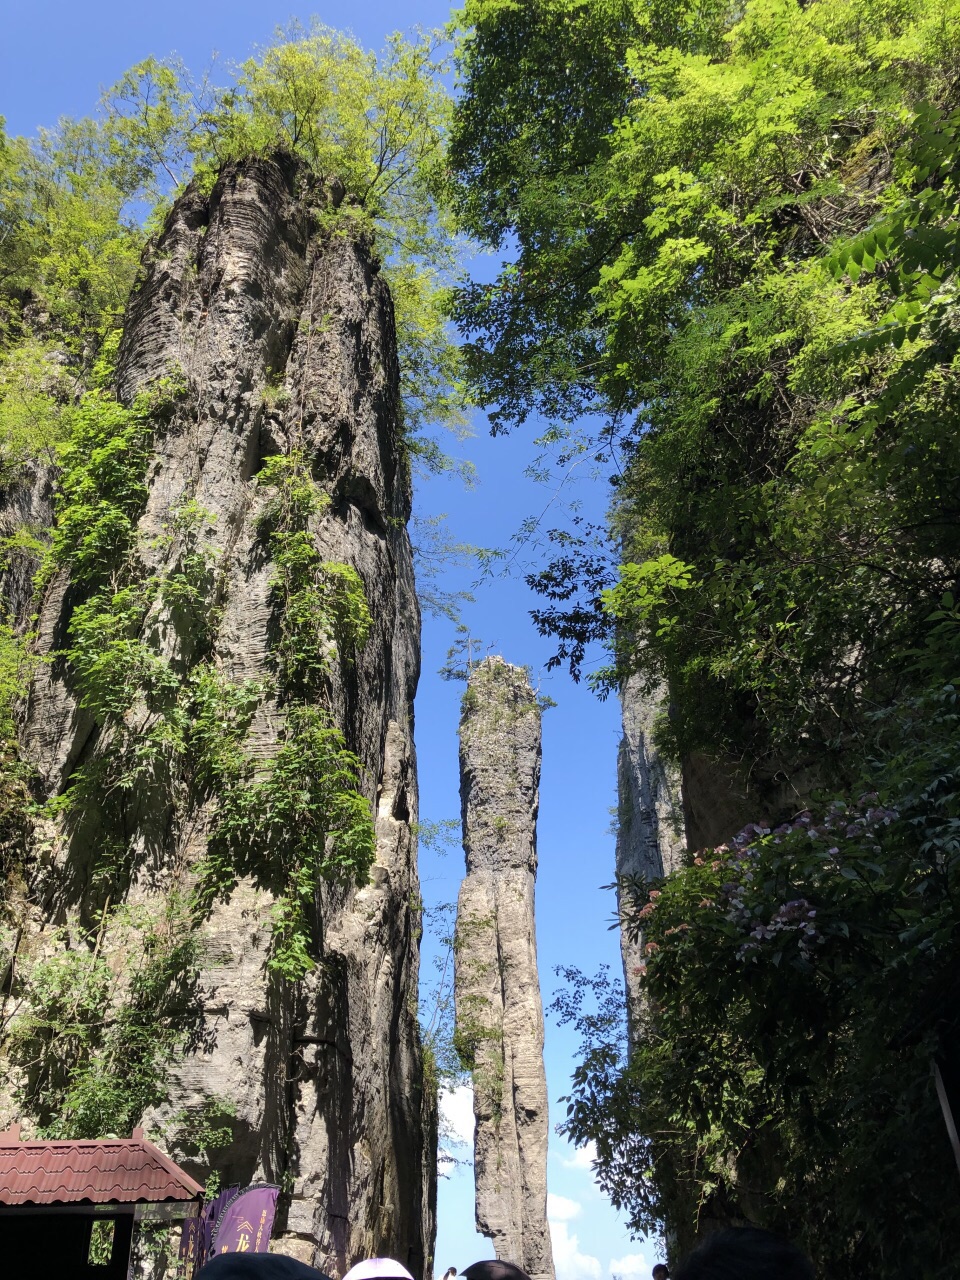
column 378, row 1269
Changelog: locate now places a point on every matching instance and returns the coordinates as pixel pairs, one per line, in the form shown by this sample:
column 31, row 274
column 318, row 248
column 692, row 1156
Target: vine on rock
column 92, row 1031
column 98, row 1030
column 303, row 819
column 321, row 605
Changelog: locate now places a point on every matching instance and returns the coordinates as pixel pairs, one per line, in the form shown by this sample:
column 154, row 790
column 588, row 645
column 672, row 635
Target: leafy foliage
column 679, row 239
column 463, row 655
column 103, row 487
column 17, row 665
column 290, row 821
column 319, row 603
column 69, row 251
column 804, row 1045
column 97, row 1033
column 34, row 399
column 304, row 821
column 741, row 249
column 375, row 124
column 77, row 204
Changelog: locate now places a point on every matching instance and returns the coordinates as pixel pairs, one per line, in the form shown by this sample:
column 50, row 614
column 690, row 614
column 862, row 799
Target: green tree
column 375, row 124
column 77, row 204
column 741, row 252
column 678, row 247
column 797, row 983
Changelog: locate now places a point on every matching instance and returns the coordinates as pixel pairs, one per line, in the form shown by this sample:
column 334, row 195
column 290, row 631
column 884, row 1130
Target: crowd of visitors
column 739, row 1253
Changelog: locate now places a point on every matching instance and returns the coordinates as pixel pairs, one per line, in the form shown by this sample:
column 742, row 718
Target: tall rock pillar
column 277, row 470
column 498, row 1006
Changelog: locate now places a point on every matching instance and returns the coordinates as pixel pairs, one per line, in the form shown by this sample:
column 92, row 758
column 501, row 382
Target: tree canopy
column 739, row 249
column 731, row 232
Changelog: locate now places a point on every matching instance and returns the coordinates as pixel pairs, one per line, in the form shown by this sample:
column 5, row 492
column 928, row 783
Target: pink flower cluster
column 797, row 916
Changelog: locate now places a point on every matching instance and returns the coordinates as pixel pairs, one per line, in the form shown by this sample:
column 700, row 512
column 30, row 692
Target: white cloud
column 560, row 1209
column 569, row 1262
column 633, row 1264
column 456, row 1115
column 580, row 1157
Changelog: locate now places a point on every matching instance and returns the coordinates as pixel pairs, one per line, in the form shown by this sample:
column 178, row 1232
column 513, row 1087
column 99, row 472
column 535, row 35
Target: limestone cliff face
column 282, row 335
column 498, row 1006
column 650, row 819
column 665, row 807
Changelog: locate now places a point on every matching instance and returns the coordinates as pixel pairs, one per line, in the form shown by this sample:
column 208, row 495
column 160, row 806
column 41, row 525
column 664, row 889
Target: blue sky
column 54, row 59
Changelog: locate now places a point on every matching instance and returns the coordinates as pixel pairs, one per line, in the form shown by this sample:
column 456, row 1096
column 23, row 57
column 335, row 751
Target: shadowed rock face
column 283, row 334
column 650, row 819
column 665, row 807
column 498, row 1005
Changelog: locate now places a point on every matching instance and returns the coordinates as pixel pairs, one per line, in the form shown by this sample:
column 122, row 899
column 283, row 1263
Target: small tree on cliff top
column 76, row 205
column 377, row 123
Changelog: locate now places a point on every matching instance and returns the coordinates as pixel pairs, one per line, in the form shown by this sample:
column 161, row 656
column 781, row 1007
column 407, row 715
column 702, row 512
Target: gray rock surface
column 26, row 506
column 498, row 1006
column 650, row 818
column 284, row 334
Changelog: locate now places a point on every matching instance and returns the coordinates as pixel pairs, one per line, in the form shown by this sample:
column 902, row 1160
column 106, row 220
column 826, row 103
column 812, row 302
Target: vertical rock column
column 281, row 335
column 665, row 806
column 498, row 1006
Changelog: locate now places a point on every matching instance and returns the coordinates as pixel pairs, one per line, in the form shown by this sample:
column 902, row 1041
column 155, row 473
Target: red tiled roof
column 106, row 1171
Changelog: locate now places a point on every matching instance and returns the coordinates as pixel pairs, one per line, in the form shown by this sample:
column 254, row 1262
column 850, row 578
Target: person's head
column 257, row 1266
column 745, row 1253
column 378, row 1269
column 660, row 1272
column 493, row 1269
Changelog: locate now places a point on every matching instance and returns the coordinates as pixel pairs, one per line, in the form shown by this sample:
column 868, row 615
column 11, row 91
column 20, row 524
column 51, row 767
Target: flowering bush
column 796, row 984
column 754, row 890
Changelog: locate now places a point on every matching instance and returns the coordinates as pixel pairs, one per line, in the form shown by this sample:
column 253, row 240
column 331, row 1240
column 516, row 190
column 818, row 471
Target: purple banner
column 189, row 1240
column 209, row 1217
column 245, row 1223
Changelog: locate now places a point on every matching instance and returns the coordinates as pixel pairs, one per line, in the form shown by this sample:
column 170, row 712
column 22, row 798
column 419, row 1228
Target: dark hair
column 660, row 1270
column 256, row 1266
column 745, row 1253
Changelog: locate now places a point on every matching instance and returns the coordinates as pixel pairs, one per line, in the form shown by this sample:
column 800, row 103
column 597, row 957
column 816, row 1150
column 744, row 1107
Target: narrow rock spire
column 498, row 1005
